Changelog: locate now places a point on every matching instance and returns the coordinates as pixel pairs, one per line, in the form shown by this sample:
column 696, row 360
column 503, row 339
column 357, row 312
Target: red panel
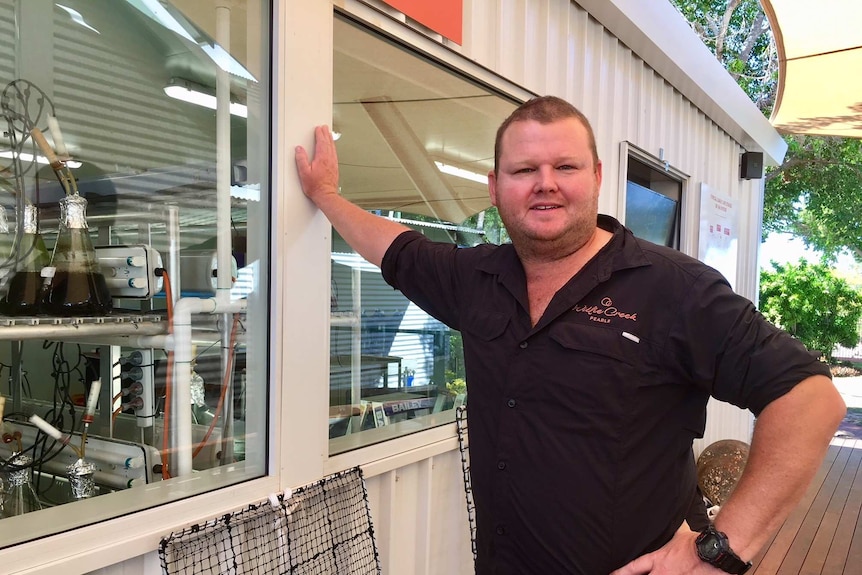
column 446, row 17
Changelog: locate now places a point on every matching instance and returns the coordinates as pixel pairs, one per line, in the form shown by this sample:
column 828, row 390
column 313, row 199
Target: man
column 590, row 357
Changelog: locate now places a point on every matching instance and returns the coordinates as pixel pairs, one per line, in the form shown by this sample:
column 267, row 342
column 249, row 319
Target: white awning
column 820, row 58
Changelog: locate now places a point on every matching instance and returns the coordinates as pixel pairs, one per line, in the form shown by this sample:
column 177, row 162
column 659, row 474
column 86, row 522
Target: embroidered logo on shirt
column 606, row 312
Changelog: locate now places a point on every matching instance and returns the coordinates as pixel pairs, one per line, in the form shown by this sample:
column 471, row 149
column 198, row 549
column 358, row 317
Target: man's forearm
column 790, row 440
column 368, row 234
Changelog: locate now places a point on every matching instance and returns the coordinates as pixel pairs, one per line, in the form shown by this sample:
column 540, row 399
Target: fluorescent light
column 76, row 17
column 25, row 157
column 188, row 94
column 461, row 173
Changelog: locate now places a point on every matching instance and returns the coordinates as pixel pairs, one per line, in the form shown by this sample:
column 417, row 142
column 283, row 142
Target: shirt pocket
column 485, row 325
column 595, row 376
column 606, row 344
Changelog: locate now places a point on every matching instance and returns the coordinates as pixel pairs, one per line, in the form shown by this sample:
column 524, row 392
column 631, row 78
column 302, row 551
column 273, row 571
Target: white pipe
column 181, row 413
column 173, row 262
column 148, row 341
column 108, row 332
column 224, row 281
column 356, row 346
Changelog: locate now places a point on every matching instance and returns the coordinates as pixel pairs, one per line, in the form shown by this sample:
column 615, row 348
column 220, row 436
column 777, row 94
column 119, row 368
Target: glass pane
column 653, row 204
column 416, row 142
column 133, row 160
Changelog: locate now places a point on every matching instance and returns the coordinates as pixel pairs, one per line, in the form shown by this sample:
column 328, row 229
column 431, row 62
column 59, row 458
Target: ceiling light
column 25, row 157
column 189, row 92
column 77, row 17
column 461, row 173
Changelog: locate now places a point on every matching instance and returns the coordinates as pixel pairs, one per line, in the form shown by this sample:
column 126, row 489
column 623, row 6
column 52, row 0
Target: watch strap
column 726, row 560
column 730, row 562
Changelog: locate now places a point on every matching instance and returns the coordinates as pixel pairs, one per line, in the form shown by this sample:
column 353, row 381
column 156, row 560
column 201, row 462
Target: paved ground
column 851, row 390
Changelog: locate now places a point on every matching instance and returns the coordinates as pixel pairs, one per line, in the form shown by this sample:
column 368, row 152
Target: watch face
column 709, row 546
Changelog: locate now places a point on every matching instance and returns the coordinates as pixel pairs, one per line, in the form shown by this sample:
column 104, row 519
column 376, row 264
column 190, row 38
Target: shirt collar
column 623, row 251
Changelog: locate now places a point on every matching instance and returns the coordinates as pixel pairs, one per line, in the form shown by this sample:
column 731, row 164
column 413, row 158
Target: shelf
column 118, row 323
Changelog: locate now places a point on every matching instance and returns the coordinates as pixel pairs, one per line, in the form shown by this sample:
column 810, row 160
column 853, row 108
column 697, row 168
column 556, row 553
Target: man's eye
column 566, row 167
column 524, row 170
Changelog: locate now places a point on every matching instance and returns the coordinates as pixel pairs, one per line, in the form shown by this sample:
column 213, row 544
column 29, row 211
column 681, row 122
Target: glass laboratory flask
column 78, row 287
column 6, row 261
column 19, row 497
column 25, row 289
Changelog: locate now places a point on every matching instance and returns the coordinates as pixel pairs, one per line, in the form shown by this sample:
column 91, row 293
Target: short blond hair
column 545, row 110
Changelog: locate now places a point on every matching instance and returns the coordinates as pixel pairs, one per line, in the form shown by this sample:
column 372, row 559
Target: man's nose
column 546, row 179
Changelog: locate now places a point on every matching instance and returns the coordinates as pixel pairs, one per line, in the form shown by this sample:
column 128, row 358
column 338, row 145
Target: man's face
column 547, row 187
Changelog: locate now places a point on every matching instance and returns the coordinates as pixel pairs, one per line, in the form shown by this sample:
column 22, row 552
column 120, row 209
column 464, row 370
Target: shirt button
column 501, row 530
column 501, row 465
column 511, row 403
column 524, row 345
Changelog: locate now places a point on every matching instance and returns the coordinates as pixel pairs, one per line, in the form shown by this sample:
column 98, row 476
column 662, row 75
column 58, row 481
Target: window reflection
column 151, row 122
column 416, row 145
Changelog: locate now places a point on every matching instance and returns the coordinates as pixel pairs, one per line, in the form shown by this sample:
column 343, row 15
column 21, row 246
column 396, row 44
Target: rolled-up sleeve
column 734, row 352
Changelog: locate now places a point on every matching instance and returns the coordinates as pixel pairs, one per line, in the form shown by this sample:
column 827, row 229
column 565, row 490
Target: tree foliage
column 816, row 194
column 738, row 33
column 811, row 303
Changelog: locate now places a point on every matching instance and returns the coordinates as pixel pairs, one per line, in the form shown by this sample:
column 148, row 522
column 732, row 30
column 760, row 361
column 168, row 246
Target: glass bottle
column 25, row 290
column 19, row 497
column 78, row 287
column 6, row 261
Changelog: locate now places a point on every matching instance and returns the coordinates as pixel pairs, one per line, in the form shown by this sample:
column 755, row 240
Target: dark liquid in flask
column 25, row 294
column 78, row 293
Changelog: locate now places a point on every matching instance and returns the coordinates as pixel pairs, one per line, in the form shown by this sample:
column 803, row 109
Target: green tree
column 811, row 303
column 490, row 223
column 816, row 194
column 738, row 33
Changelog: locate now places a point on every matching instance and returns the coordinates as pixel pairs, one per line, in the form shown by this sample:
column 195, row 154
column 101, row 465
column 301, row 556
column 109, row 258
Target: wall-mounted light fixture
column 196, row 94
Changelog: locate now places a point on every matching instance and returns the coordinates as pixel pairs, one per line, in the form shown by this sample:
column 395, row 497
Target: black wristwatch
column 712, row 547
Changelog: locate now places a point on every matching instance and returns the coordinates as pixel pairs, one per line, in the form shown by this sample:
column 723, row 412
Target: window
column 151, row 368
column 416, row 143
column 652, row 201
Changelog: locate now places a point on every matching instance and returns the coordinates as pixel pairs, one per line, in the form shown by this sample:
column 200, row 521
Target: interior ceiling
column 820, row 57
column 398, row 114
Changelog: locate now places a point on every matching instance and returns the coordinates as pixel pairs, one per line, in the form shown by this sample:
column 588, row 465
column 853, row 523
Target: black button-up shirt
column 581, row 427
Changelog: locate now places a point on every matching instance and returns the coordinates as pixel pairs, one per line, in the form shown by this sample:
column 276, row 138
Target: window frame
column 391, row 447
column 628, row 151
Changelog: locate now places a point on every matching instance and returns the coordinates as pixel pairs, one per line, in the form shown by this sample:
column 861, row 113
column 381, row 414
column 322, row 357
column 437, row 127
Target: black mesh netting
column 461, row 424
column 321, row 529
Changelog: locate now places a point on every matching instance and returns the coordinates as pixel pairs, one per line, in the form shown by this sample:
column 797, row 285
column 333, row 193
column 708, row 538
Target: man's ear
column 599, row 174
column 492, row 187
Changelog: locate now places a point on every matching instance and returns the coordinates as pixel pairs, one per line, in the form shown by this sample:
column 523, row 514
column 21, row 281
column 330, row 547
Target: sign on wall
column 718, row 244
column 443, row 16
